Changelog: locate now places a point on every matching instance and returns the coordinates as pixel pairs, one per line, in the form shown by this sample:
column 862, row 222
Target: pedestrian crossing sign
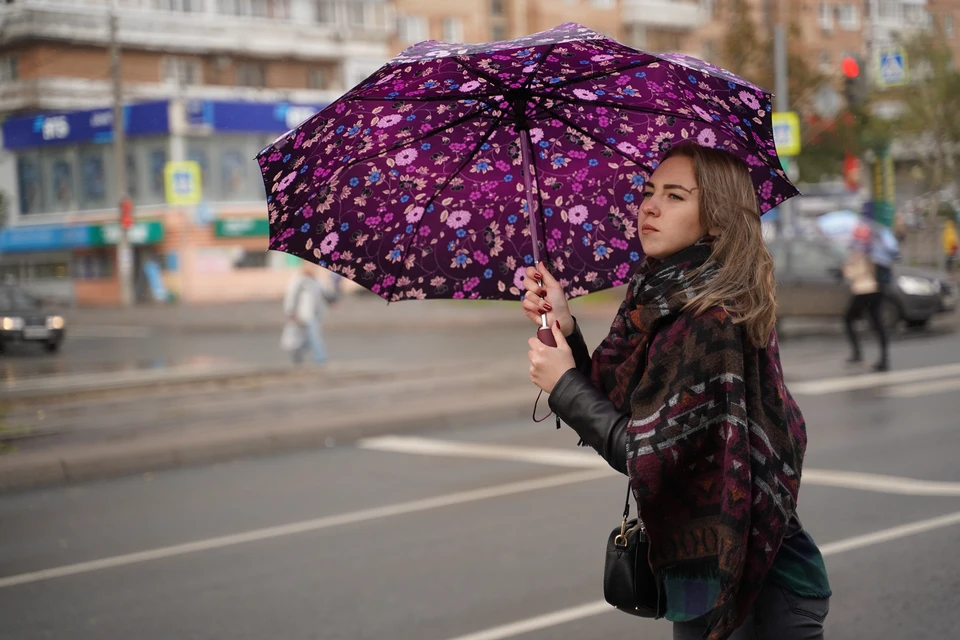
column 786, row 133
column 891, row 67
column 182, row 183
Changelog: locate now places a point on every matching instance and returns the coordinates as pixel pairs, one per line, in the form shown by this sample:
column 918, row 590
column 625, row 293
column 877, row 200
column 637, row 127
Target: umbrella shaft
column 528, row 185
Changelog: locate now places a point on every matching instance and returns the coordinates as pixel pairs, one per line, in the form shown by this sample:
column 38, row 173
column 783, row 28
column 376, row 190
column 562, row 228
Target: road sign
column 204, row 213
column 891, row 67
column 786, row 133
column 182, row 182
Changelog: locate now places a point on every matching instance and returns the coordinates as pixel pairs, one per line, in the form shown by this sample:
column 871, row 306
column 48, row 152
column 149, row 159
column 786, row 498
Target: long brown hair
column 744, row 284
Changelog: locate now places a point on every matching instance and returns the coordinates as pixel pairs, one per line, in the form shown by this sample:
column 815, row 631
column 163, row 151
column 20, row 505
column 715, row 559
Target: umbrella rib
column 459, row 98
column 476, row 113
column 543, row 221
column 667, row 114
column 606, row 144
column 600, row 74
column 493, row 80
column 468, row 158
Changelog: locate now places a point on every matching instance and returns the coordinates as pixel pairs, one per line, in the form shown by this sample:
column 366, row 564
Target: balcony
column 332, row 30
column 679, row 15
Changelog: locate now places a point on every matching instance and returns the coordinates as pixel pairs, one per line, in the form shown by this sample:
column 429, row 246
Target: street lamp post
column 124, row 251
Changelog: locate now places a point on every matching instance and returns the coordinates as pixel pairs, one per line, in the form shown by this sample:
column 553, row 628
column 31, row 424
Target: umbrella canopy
column 846, row 228
column 455, row 166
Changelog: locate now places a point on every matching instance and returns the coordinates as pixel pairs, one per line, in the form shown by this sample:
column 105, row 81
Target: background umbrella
column 840, row 226
column 455, row 166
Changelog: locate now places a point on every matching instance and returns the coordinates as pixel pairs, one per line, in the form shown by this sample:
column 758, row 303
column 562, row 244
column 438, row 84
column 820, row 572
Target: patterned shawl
column 716, row 442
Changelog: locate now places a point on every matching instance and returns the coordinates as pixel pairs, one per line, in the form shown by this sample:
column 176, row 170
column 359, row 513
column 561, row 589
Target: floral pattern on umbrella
column 412, row 183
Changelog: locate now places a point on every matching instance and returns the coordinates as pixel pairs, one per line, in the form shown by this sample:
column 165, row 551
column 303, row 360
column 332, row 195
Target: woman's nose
column 649, row 206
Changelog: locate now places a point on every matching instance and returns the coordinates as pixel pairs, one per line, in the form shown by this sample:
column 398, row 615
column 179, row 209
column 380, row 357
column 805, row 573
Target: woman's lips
column 645, row 229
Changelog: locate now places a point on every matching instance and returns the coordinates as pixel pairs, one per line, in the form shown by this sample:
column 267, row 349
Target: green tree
column 931, row 108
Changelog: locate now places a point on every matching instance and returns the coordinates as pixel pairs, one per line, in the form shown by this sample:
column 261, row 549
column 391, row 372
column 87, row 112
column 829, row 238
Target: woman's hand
column 548, row 364
column 548, row 298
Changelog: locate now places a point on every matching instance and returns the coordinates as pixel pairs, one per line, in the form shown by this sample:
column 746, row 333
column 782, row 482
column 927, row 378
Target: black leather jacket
column 595, row 418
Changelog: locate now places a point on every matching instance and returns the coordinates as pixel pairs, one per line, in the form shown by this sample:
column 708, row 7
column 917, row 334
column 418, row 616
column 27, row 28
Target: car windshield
column 15, row 298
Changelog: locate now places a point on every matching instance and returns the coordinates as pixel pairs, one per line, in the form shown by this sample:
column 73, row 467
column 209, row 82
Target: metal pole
column 124, row 253
column 781, row 103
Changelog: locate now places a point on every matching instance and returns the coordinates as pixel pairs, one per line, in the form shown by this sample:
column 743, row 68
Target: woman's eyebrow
column 670, row 186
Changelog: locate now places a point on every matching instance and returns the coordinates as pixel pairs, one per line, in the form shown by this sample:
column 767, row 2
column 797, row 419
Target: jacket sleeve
column 591, row 414
column 581, row 355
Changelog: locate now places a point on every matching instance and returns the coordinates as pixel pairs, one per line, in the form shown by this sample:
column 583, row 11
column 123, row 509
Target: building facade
column 208, row 81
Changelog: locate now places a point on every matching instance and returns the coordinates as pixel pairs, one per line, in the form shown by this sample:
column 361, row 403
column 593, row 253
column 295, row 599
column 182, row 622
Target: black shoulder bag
column 628, row 581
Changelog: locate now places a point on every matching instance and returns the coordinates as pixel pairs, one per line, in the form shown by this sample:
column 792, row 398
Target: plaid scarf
column 715, row 444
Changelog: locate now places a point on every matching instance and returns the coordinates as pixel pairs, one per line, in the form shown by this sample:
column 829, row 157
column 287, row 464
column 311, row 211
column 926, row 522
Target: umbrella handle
column 545, row 333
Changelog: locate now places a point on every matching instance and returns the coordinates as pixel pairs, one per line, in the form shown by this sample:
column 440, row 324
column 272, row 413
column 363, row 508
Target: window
column 826, row 61
column 825, row 17
column 498, row 32
column 496, row 7
column 28, row 177
column 848, row 18
column 184, row 6
column 357, row 14
column 708, row 50
column 947, row 26
column 61, row 189
column 232, row 178
column 93, row 266
column 9, row 69
column 412, row 29
column 158, row 160
column 453, row 30
column 198, row 154
column 604, row 4
column 93, row 179
column 250, row 260
column 326, row 12
column 708, row 8
column 277, row 9
column 251, row 74
column 318, row 79
column 181, row 71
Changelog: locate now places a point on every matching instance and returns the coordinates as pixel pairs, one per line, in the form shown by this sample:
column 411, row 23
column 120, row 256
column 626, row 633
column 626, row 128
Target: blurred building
column 212, row 81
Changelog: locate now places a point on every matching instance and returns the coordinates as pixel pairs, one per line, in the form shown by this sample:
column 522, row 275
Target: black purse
column 628, row 582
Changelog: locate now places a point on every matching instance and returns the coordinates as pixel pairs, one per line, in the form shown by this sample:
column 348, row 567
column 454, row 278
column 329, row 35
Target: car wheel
column 51, row 347
column 918, row 324
column 890, row 314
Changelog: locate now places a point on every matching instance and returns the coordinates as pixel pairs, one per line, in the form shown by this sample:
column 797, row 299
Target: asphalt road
column 497, row 535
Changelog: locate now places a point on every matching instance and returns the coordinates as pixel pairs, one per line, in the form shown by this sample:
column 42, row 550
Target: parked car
column 24, row 319
column 814, row 285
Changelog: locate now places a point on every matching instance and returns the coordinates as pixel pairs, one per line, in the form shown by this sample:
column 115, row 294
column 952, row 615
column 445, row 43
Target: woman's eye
column 648, row 194
column 674, row 196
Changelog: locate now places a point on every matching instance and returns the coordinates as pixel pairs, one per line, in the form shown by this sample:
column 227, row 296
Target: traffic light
column 854, row 85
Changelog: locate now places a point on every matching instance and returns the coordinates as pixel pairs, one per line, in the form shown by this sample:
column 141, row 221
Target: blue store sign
column 260, row 116
column 83, row 126
column 45, row 238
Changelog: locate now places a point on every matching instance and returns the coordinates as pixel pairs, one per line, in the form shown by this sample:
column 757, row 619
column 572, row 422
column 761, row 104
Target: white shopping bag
column 292, row 336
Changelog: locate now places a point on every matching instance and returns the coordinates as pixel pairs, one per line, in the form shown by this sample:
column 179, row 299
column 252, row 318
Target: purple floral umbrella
column 413, row 183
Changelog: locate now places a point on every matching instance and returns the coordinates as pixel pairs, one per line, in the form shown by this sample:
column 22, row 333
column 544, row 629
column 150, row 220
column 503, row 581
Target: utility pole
column 781, row 103
column 124, row 252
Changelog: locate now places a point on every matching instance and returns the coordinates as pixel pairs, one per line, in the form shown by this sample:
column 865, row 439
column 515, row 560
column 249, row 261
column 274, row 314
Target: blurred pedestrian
column 685, row 396
column 951, row 245
column 867, row 280
column 306, row 303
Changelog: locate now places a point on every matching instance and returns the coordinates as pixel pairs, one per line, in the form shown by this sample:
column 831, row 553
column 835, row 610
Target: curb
column 108, row 460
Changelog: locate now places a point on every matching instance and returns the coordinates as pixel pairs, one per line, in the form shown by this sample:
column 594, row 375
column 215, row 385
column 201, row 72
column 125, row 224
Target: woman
column 866, row 294
column 685, row 396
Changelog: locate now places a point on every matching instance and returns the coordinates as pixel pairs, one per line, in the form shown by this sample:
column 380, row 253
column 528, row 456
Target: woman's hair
column 744, row 283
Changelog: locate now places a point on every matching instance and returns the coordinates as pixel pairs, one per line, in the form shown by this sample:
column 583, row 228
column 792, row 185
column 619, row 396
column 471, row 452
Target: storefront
column 63, row 240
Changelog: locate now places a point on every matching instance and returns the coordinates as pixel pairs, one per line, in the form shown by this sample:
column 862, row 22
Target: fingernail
column 543, row 293
column 557, row 322
column 547, row 306
column 538, row 276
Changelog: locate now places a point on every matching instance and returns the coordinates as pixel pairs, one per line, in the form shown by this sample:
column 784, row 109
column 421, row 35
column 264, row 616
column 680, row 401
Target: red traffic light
column 126, row 213
column 850, row 67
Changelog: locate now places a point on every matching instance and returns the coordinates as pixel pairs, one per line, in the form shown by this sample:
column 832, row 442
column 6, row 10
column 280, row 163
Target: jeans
column 313, row 341
column 871, row 303
column 777, row 614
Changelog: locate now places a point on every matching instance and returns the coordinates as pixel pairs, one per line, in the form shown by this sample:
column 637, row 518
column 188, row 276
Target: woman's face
column 670, row 212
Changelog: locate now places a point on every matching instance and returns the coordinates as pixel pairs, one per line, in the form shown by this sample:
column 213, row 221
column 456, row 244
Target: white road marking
column 590, row 609
column 871, row 380
column 318, row 524
column 545, row 621
column 449, row 448
column 922, row 388
column 560, row 458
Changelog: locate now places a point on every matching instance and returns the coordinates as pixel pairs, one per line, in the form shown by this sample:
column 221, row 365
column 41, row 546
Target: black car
column 23, row 319
column 813, row 286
